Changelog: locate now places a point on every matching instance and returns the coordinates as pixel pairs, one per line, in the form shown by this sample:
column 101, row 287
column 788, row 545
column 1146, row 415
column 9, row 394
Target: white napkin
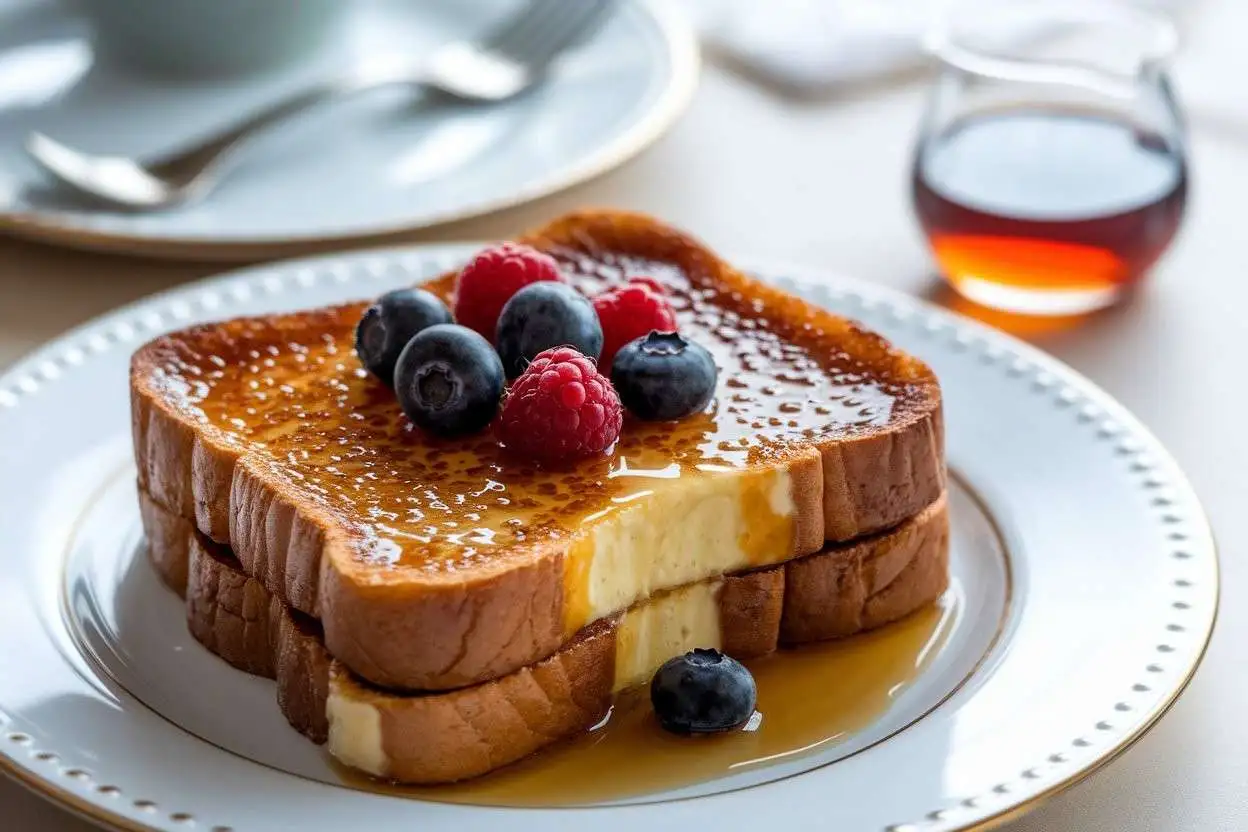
column 812, row 45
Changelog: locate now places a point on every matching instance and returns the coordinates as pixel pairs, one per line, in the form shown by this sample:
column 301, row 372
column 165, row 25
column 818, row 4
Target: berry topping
column 492, row 277
column 629, row 312
column 390, row 323
column 663, row 376
column 560, row 409
column 646, row 280
column 702, row 692
column 449, row 380
column 542, row 316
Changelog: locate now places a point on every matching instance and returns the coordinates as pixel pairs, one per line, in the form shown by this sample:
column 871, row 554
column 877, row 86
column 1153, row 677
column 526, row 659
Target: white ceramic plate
column 360, row 169
column 1084, row 577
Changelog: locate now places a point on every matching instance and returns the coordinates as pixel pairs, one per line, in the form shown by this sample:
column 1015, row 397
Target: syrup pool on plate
column 809, row 698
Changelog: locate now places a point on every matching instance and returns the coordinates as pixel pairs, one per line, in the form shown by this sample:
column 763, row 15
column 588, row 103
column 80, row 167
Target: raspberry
column 560, row 409
column 645, row 280
column 629, row 312
column 492, row 277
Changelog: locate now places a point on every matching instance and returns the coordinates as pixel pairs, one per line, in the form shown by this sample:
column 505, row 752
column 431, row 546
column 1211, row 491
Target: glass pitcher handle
column 941, row 43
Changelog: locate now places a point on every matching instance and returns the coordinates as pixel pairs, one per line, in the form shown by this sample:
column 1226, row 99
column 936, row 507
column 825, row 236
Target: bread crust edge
column 425, row 736
column 496, row 623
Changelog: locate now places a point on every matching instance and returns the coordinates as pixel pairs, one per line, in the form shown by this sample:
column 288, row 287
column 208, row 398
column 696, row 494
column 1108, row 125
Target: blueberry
column 390, row 323
column 702, row 692
column 449, row 380
column 663, row 376
column 544, row 315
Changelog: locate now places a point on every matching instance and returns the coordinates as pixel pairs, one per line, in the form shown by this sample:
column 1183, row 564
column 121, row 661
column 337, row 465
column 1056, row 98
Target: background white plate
column 1064, row 506
column 378, row 165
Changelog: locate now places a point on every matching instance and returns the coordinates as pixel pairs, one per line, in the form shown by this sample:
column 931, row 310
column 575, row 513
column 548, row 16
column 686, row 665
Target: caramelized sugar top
column 301, row 404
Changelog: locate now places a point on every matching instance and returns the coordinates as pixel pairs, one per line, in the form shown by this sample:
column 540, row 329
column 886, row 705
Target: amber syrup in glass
column 1048, row 211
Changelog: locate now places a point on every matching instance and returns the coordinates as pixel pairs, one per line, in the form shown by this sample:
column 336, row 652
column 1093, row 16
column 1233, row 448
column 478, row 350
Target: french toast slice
column 441, row 737
column 437, row 564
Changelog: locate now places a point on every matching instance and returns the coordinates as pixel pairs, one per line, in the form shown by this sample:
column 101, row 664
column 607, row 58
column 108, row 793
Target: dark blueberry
column 663, row 376
column 390, row 323
column 544, row 315
column 449, row 380
column 702, row 692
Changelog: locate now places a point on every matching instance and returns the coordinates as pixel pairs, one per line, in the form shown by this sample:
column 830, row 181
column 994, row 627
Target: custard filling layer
column 712, row 524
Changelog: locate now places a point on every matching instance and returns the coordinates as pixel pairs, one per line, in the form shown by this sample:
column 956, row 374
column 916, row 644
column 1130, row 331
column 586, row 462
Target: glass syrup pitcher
column 1051, row 172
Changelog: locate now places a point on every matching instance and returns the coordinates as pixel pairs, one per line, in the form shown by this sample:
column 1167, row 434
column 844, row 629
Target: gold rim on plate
column 1027, row 361
column 66, row 799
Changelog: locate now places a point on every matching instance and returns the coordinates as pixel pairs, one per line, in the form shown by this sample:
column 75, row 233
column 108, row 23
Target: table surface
column 824, row 182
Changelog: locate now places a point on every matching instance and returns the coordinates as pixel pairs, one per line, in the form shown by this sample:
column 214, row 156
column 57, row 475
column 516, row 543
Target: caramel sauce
column 762, row 541
column 296, row 398
column 809, row 698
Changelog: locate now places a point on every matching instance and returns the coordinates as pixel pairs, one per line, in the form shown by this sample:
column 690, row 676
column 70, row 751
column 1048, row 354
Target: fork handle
column 191, row 162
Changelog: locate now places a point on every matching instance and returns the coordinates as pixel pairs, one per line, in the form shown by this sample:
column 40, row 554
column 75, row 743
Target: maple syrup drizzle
column 809, row 698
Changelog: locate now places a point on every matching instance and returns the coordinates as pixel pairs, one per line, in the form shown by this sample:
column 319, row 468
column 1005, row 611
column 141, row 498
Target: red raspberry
column 645, row 280
column 492, row 277
column 560, row 408
column 629, row 312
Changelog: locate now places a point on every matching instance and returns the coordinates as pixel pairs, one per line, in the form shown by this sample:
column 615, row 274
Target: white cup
column 207, row 37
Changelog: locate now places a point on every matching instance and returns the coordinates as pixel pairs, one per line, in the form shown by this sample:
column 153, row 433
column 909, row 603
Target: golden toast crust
column 442, row 737
column 414, row 630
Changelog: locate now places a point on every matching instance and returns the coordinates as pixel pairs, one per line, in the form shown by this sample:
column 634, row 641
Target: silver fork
column 511, row 58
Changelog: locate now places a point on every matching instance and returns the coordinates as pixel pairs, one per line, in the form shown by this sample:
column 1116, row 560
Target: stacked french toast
column 439, row 597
